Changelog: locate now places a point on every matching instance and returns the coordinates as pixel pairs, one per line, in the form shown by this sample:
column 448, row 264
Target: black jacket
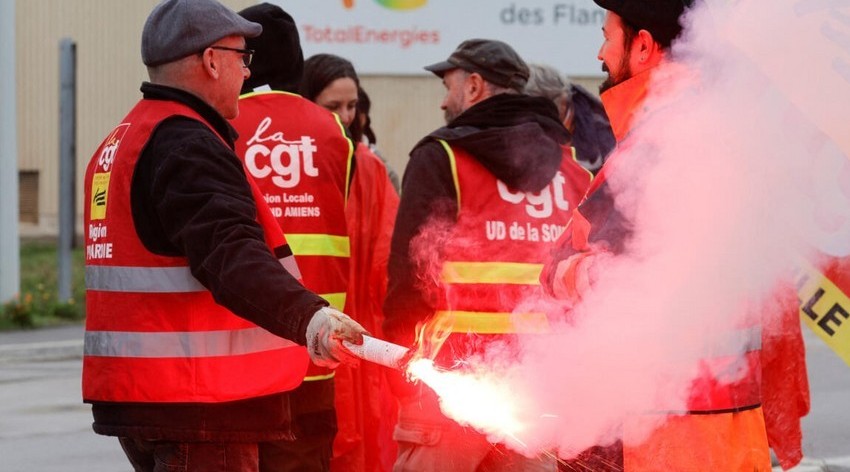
column 515, row 137
column 190, row 198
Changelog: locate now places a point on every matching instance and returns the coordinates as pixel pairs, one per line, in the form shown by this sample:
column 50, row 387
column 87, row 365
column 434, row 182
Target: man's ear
column 211, row 65
column 474, row 88
column 644, row 46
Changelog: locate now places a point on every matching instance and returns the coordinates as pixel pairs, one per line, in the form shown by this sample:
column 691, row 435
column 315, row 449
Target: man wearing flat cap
column 723, row 427
column 502, row 162
column 195, row 317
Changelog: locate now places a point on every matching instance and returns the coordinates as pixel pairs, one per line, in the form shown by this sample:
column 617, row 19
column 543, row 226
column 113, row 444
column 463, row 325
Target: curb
column 42, row 351
column 837, row 464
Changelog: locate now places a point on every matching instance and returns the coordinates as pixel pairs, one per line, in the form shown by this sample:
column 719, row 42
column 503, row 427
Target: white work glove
column 325, row 333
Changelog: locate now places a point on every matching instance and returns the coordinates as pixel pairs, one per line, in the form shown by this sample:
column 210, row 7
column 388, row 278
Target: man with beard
column 502, row 163
column 723, row 427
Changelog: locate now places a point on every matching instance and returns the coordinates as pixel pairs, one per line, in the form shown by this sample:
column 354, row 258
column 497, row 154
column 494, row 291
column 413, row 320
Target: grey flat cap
column 496, row 61
column 178, row 28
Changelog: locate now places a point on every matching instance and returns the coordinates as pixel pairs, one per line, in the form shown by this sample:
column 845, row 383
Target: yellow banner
column 825, row 309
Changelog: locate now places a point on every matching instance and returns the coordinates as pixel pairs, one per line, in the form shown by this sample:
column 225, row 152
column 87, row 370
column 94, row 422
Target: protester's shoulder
column 180, row 132
column 430, row 147
column 184, row 141
column 429, row 156
column 183, row 128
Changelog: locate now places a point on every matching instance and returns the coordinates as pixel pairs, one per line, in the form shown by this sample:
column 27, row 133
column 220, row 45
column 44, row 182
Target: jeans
column 314, row 424
column 163, row 456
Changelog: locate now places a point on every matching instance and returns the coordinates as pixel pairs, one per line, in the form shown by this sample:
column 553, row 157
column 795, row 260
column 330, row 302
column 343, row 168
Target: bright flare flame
column 474, row 399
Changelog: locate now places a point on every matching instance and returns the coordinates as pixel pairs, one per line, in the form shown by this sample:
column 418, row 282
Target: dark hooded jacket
column 515, row 137
column 592, row 136
column 278, row 60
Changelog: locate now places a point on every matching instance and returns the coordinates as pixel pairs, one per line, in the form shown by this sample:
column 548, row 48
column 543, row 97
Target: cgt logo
column 391, row 4
column 539, row 204
column 110, row 147
column 269, row 153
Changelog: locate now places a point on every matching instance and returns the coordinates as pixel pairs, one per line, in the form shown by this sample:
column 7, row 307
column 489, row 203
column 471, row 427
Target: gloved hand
column 325, row 333
column 577, row 274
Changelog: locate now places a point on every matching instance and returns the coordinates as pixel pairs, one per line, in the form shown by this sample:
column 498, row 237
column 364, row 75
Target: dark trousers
column 314, row 425
column 161, row 456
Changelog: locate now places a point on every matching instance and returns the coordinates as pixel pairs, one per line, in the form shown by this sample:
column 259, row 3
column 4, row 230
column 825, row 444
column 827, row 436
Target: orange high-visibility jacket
column 724, row 427
column 149, row 322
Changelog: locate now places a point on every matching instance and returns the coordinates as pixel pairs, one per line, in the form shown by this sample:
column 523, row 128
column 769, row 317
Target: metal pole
column 67, row 162
column 10, row 258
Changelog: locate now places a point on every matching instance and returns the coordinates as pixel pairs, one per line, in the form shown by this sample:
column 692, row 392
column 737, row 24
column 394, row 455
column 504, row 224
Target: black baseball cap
column 496, row 61
column 659, row 17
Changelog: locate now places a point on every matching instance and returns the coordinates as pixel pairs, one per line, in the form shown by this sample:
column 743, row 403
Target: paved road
column 45, row 427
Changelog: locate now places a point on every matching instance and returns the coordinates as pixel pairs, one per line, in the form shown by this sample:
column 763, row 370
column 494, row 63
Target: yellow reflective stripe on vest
column 337, row 300
column 181, row 344
column 495, row 323
column 313, row 378
column 574, row 153
column 825, row 309
column 453, row 165
column 348, row 161
column 319, row 245
column 514, row 273
column 155, row 279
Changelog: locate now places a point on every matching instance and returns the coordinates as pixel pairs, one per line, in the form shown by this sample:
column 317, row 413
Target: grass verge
column 38, row 303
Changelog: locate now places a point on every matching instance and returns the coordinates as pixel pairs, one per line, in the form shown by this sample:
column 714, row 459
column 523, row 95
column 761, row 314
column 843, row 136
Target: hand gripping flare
column 325, row 333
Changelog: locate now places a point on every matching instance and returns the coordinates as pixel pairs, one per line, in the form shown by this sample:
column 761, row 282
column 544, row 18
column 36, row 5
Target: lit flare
column 473, row 399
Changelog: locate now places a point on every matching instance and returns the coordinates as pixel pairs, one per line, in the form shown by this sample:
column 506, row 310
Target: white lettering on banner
column 561, row 13
column 540, row 204
column 99, row 251
column 359, row 34
column 499, row 231
column 382, row 37
column 261, row 159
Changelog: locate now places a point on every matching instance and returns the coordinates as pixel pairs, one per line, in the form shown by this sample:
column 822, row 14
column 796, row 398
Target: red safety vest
column 153, row 332
column 493, row 259
column 299, row 156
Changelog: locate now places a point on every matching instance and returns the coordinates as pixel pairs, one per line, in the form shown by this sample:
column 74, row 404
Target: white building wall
column 109, row 72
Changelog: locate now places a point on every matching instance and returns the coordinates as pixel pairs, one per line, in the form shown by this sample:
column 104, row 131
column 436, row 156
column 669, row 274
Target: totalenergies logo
column 391, row 4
